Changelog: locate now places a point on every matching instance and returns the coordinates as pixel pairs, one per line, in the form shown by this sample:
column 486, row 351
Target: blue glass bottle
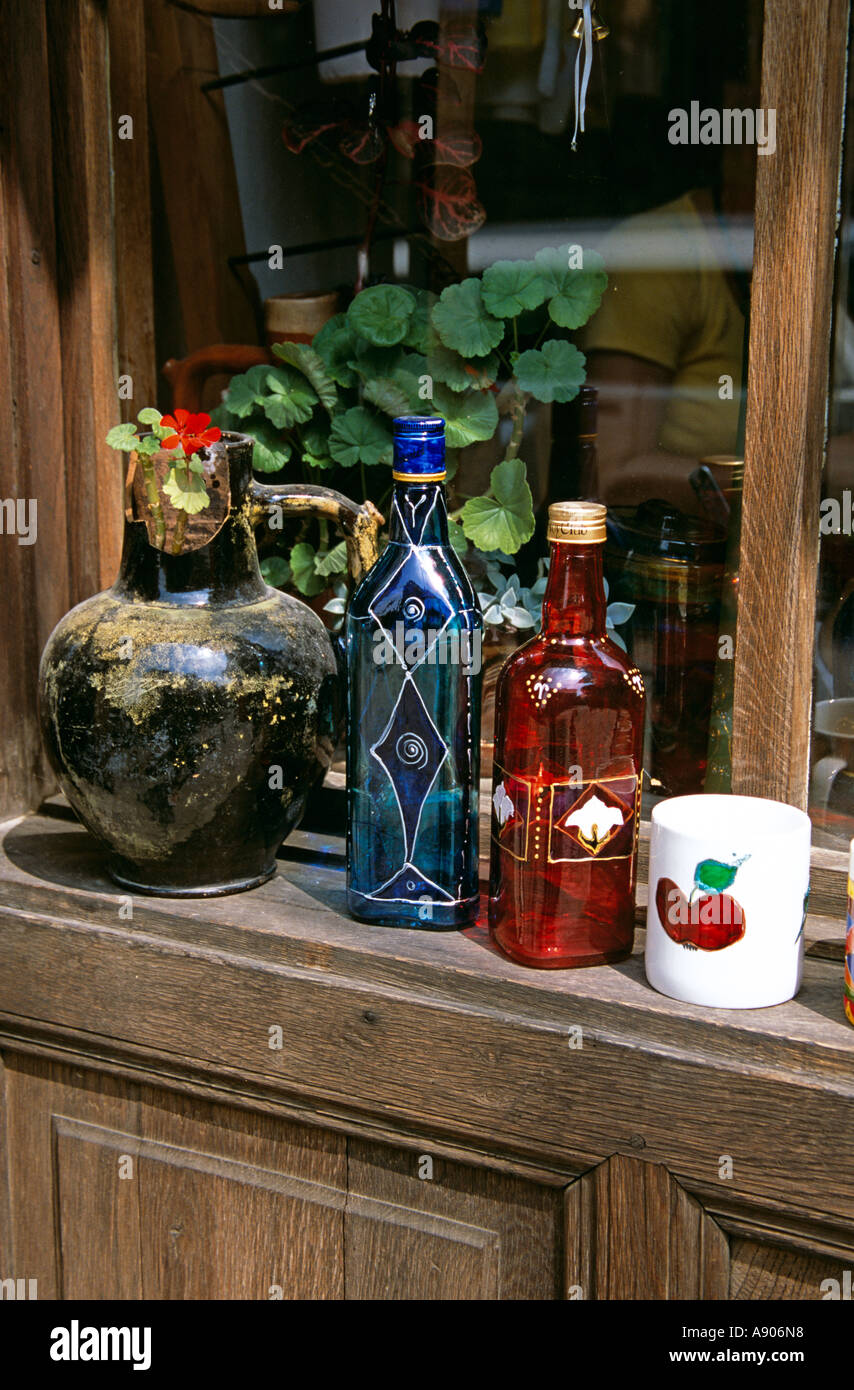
column 413, row 640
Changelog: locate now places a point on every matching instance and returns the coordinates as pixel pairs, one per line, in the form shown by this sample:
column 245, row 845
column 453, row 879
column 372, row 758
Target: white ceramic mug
column 728, row 884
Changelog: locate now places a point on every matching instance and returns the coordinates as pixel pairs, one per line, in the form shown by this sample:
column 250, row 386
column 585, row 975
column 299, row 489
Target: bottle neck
column 574, row 603
column 223, row 572
column 419, row 515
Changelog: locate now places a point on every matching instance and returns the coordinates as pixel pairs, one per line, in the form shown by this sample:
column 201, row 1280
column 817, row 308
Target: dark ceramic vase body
column 188, row 710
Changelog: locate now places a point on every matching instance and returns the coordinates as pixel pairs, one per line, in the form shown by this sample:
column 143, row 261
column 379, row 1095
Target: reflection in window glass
column 666, row 349
column 628, row 128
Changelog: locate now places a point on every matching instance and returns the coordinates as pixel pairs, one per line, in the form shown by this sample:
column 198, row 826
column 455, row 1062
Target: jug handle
column 360, row 524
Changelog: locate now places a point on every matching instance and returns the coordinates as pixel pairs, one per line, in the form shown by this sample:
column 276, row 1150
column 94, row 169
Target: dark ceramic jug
column 188, row 710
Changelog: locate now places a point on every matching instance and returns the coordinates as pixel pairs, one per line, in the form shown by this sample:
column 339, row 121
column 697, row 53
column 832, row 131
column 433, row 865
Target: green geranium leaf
column 149, row 444
column 247, row 392
column 290, row 399
column 452, row 370
column 574, row 295
column 222, row 416
column 371, row 362
column 457, row 536
column 313, row 368
column 195, row 464
column 419, row 332
column 303, row 572
column 504, row 520
column 333, row 562
column 468, row 417
column 463, row 322
column 315, row 436
column 382, row 314
column 357, row 436
column 271, row 451
column 186, row 491
column 394, row 395
column 123, row 436
column 315, row 444
column 510, row 287
column 452, row 463
column 275, row 570
column 335, row 344
column 149, row 416
column 554, row 372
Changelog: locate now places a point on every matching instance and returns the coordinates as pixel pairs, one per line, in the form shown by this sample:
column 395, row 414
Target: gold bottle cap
column 577, row 523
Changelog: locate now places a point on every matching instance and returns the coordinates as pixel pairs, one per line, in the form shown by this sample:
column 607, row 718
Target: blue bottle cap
column 419, row 448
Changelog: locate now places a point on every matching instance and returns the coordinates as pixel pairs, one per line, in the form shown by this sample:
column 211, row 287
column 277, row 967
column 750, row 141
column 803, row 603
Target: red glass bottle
column 567, row 774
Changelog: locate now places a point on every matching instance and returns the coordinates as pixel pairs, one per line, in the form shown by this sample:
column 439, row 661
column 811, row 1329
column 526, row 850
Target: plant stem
column 517, row 415
column 515, row 335
column 542, row 333
column 179, row 532
column 153, row 493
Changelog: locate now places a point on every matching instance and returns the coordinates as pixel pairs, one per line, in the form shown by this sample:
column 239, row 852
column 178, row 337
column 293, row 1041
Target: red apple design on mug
column 710, row 919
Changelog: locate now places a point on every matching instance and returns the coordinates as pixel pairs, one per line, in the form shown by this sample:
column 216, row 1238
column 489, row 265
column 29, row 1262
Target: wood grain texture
column 79, row 85
column 189, row 990
column 803, row 80
column 200, row 191
column 237, row 1205
column 36, row 1093
column 770, row 1272
column 34, row 579
column 633, row 1232
column 132, row 204
column 458, row 1233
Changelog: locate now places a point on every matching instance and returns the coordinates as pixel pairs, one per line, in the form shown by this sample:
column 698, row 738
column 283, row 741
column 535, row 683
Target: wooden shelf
column 424, row 1033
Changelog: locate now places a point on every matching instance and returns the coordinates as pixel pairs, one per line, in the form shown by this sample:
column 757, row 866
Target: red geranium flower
column 192, row 432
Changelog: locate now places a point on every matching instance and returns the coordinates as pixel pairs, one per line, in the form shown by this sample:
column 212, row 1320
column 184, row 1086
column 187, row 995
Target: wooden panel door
column 633, row 1232
column 118, row 1191
column 421, row 1227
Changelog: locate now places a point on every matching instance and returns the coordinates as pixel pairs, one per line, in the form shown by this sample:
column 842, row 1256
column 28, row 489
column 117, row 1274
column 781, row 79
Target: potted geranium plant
column 327, row 406
column 183, row 488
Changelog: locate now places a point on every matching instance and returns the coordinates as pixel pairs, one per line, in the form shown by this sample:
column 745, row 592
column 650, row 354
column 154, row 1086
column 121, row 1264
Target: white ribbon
column 582, row 77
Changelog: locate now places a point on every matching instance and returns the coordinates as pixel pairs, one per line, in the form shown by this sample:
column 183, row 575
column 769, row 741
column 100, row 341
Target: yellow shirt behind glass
column 682, row 317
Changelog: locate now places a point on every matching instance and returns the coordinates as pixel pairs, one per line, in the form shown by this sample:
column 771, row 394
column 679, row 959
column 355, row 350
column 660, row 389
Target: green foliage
column 357, row 436
column 186, row 490
column 573, row 295
column 333, row 562
column 468, row 418
column 275, row 570
column 419, row 333
column 335, row 344
column 303, row 571
column 123, row 436
column 289, row 399
column 399, row 350
column 554, row 372
column 509, row 287
column 396, row 394
column 382, row 314
column 504, row 518
column 450, row 369
column 313, row 367
column 463, row 322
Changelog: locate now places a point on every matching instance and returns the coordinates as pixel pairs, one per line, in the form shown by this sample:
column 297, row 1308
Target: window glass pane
column 621, row 135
